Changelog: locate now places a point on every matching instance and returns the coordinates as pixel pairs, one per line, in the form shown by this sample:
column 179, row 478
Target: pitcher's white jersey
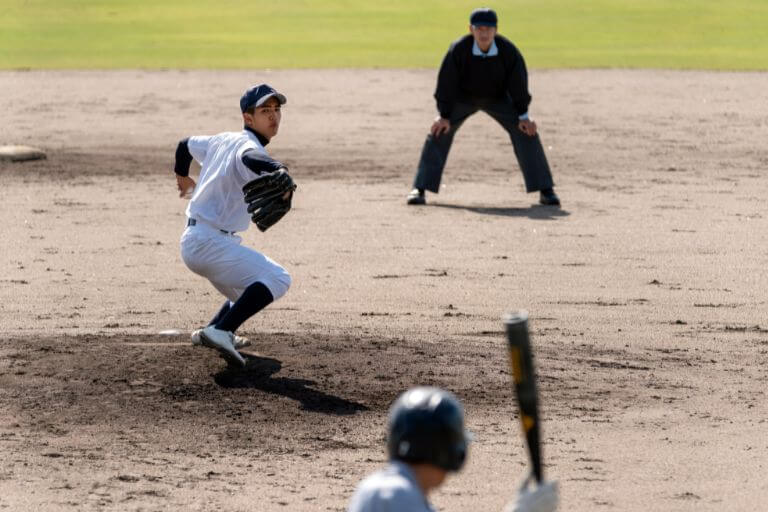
column 218, row 197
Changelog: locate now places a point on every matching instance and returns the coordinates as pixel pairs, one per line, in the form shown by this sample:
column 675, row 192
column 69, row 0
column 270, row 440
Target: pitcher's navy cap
column 257, row 95
column 483, row 17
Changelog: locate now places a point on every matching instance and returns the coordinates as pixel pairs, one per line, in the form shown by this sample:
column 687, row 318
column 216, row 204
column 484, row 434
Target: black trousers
column 528, row 150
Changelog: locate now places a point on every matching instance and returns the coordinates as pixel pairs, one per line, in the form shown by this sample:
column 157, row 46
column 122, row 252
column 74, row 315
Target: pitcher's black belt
column 193, row 222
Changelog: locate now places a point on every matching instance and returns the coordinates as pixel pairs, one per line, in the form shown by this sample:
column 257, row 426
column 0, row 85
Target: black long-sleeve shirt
column 465, row 77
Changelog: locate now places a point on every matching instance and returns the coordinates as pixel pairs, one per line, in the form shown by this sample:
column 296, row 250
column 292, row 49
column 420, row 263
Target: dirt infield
column 646, row 293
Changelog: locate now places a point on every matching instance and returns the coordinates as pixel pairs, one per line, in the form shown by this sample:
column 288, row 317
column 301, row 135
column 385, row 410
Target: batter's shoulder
column 387, row 494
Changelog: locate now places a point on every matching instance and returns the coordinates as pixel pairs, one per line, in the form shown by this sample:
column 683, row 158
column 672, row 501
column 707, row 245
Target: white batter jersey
column 218, row 197
column 393, row 489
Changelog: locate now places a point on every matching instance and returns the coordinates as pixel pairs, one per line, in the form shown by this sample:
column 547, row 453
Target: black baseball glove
column 269, row 197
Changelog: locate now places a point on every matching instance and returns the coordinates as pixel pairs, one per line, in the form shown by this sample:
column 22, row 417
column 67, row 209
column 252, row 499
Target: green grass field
column 105, row 34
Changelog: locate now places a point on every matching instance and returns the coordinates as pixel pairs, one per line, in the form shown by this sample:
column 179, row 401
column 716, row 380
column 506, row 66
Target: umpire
column 484, row 71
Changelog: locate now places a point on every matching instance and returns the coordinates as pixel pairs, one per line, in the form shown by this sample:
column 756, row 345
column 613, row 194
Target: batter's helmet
column 427, row 425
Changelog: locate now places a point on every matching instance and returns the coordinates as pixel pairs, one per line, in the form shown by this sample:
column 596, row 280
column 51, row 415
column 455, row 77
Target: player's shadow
column 258, row 374
column 537, row 212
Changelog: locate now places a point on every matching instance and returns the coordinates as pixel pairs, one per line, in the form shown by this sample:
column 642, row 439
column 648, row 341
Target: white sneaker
column 223, row 341
column 239, row 343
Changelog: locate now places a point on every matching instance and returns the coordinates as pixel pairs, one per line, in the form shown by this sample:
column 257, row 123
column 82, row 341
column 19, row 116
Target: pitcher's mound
column 20, row 153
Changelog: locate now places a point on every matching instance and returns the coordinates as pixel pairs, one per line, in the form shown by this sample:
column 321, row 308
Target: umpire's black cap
column 426, row 425
column 257, row 95
column 483, row 17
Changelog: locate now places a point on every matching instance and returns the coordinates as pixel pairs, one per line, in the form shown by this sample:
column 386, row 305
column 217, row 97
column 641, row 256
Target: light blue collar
column 492, row 51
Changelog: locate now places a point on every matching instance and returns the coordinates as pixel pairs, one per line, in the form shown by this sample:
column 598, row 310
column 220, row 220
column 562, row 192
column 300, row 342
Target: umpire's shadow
column 537, row 212
column 258, row 374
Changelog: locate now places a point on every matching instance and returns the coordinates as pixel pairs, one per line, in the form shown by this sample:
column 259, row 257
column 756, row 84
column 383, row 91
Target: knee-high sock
column 223, row 311
column 255, row 298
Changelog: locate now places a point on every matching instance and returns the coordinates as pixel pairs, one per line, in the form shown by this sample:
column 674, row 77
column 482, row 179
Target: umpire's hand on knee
column 440, row 126
column 528, row 127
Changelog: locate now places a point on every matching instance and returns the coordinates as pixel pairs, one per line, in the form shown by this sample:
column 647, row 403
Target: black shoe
column 549, row 198
column 416, row 196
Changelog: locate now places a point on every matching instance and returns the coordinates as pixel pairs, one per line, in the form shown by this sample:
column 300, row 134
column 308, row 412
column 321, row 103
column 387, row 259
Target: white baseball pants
column 229, row 266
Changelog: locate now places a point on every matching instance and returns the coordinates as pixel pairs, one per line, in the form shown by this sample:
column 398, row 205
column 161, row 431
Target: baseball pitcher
column 238, row 183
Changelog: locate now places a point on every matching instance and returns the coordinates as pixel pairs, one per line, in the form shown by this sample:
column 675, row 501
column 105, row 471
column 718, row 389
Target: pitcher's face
column 265, row 118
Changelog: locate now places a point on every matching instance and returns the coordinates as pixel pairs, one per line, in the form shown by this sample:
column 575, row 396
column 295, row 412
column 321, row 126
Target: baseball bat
column 521, row 364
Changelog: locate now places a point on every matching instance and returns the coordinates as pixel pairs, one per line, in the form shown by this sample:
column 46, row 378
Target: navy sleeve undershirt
column 183, row 158
column 260, row 163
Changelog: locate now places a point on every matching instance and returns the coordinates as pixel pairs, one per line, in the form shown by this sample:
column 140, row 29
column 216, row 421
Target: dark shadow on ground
column 537, row 212
column 258, row 373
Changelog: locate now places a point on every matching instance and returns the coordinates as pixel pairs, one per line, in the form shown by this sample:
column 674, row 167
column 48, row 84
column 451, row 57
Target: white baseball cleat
column 239, row 343
column 223, row 341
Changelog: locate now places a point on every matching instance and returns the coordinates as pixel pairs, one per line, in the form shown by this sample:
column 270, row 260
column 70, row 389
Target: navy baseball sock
column 255, row 298
column 223, row 311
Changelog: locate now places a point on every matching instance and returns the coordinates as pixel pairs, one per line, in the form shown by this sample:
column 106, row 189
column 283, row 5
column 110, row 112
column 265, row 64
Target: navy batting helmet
column 426, row 425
